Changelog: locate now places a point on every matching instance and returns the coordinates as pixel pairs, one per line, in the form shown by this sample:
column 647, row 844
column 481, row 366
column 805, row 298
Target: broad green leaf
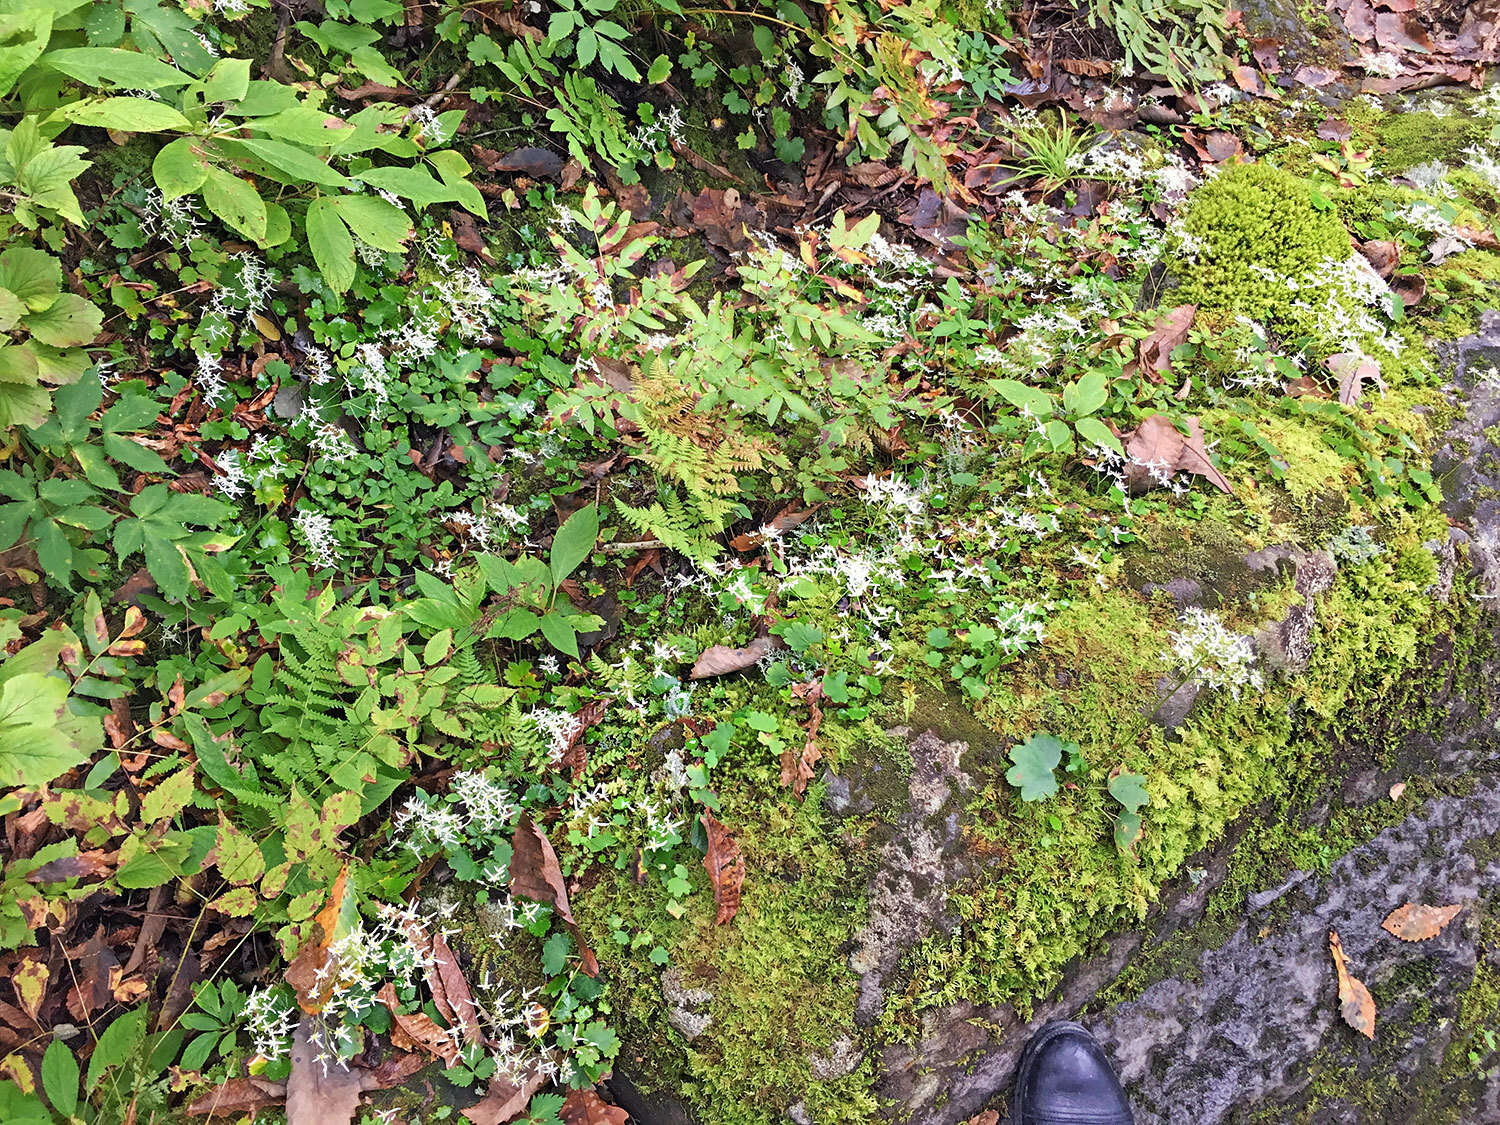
column 660, row 71
column 23, row 406
column 60, row 1077
column 303, row 125
column 236, row 202
column 228, row 81
column 409, row 183
column 23, row 38
column 10, row 310
column 560, row 634
column 1127, row 831
column 374, row 221
column 1087, row 395
column 1023, row 397
column 1035, row 759
column 165, row 563
column 1096, row 432
column 278, row 225
column 169, row 798
column 95, row 66
column 34, row 276
column 180, row 167
column 18, row 366
column 34, row 748
column 131, row 115
column 331, row 244
column 1130, row 790
column 70, row 321
column 58, row 365
column 574, row 542
column 296, row 163
column 120, row 1041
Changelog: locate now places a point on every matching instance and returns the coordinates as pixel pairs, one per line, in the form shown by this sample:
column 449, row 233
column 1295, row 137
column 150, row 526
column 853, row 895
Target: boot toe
column 1065, row 1079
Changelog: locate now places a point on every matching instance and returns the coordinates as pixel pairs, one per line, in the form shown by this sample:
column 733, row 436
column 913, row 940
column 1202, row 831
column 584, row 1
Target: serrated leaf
column 1356, row 1005
column 70, row 321
column 60, row 1077
column 374, row 221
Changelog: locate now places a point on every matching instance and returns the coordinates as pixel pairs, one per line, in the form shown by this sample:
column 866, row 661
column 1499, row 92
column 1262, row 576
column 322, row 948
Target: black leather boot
column 1064, row 1079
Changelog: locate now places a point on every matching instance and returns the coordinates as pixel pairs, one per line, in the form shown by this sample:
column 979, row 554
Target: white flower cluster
column 316, row 530
column 270, row 1020
column 1205, row 648
column 1348, row 295
column 172, row 220
column 1432, row 178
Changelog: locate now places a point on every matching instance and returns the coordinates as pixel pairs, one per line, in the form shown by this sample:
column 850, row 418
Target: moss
column 1409, row 139
column 1255, row 224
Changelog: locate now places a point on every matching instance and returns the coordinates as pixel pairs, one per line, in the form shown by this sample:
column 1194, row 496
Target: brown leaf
column 797, row 769
column 1416, row 922
column 541, row 163
column 1383, row 256
column 307, row 974
column 584, row 1107
column 1092, row 68
column 1335, row 129
column 534, row 870
column 1397, row 790
column 1194, row 459
column 420, row 1029
column 1222, row 145
column 1356, row 1004
column 503, row 1101
column 1359, row 19
column 1351, row 371
column 720, row 660
column 237, row 1096
column 1155, row 351
column 988, row 1117
column 319, row 1095
column 1393, row 32
column 784, row 520
column 1155, row 442
column 726, row 868
column 450, row 991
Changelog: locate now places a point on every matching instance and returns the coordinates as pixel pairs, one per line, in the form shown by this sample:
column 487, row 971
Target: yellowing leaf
column 1356, row 1004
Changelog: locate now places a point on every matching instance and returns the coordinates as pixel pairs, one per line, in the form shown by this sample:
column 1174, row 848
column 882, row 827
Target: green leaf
column 1087, row 395
column 120, row 1041
column 60, row 1077
column 1035, row 759
column 574, row 542
column 180, row 167
column 228, row 81
column 236, row 202
column 296, row 163
column 331, row 244
column 23, row 38
column 374, row 221
column 68, row 322
column 10, row 310
column 1127, row 831
column 35, row 729
column 34, row 276
column 1023, row 397
column 18, row 367
column 165, row 563
column 131, row 115
column 555, row 953
column 197, row 1052
column 560, row 634
column 1129, row 789
column 660, row 71
column 409, row 183
column 169, row 797
column 1096, row 432
column 303, row 125
column 94, row 66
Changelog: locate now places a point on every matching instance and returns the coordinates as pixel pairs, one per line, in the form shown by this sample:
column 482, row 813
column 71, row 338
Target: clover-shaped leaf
column 1129, row 789
column 1035, row 759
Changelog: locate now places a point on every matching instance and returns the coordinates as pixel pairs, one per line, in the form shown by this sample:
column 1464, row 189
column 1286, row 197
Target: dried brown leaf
column 306, row 974
column 319, row 1095
column 1155, row 442
column 784, row 520
column 534, row 870
column 1383, row 256
column 1417, row 922
column 1194, row 458
column 420, row 1029
column 502, row 1101
column 584, row 1107
column 726, row 868
column 237, row 1096
column 1356, row 1005
column 720, row 660
column 450, row 991
column 1171, row 329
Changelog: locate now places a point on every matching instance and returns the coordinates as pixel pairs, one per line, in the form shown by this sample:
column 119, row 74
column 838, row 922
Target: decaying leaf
column 1171, row 329
column 797, row 768
column 534, row 870
column 308, row 973
column 584, row 1107
column 450, row 991
column 30, row 983
column 726, row 868
column 1194, row 458
column 237, row 1096
column 720, row 660
column 1352, row 372
column 503, row 1101
column 421, row 1030
column 784, row 520
column 1397, row 790
column 535, row 874
column 1417, row 922
column 1356, row 1004
column 319, row 1095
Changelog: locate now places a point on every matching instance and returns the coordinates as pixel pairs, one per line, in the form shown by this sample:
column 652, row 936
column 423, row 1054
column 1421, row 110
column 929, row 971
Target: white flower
column 1207, row 649
column 317, row 532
